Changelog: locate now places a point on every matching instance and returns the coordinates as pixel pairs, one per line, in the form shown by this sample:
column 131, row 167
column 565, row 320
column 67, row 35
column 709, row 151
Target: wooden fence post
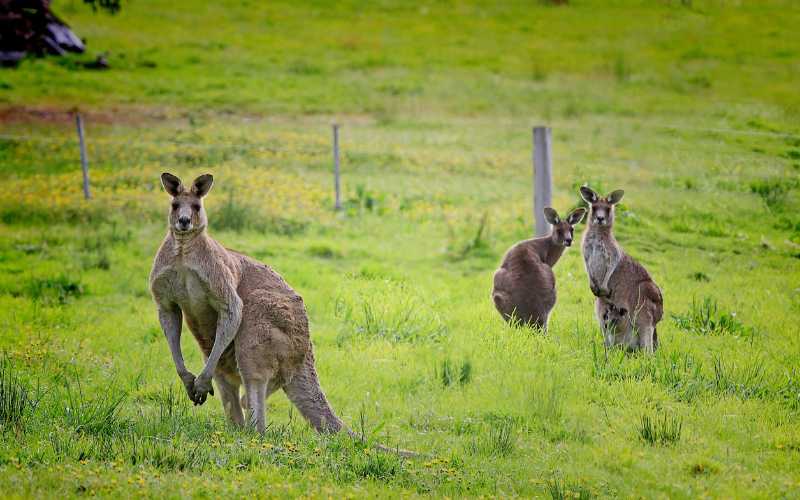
column 84, row 159
column 542, row 178
column 336, row 183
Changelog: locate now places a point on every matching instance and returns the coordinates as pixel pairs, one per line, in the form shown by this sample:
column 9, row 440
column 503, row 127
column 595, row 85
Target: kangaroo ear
column 589, row 195
column 202, row 185
column 576, row 216
column 616, row 196
column 171, row 184
column 551, row 216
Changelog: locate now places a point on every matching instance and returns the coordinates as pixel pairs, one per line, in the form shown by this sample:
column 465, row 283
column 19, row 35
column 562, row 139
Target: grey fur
column 525, row 286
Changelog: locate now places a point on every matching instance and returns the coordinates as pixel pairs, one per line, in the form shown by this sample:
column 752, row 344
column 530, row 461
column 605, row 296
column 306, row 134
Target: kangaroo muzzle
column 184, row 221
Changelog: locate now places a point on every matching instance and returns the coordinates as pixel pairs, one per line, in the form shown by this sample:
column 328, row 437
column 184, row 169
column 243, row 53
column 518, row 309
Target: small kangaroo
column 612, row 320
column 525, row 286
column 249, row 323
column 617, row 280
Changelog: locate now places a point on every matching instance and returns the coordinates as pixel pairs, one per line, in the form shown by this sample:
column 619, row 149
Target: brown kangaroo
column 617, row 280
column 249, row 323
column 525, row 286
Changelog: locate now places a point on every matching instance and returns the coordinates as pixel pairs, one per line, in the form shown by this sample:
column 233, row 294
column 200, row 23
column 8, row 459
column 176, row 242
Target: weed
column 622, row 70
column 500, row 439
column 560, row 489
column 375, row 465
column 465, row 373
column 664, row 431
column 700, row 276
column 705, row 318
column 773, row 192
column 789, row 392
column 167, row 454
column 323, row 252
column 546, row 403
column 236, row 216
column 365, row 201
column 679, row 373
column 747, row 382
column 447, row 374
column 97, row 416
column 476, row 244
column 59, row 289
column 15, row 396
column 232, row 215
column 389, row 314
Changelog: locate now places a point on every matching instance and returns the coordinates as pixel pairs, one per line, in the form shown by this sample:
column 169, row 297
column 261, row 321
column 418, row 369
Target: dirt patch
column 54, row 115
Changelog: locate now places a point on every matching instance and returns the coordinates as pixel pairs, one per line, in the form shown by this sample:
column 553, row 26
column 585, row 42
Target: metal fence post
column 542, row 178
column 336, row 182
column 84, row 159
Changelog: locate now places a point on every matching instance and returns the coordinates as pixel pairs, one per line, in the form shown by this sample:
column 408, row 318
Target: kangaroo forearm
column 171, row 323
column 227, row 327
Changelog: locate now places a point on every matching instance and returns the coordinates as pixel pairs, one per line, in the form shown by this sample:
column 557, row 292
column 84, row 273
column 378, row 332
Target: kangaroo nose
column 601, row 218
column 184, row 221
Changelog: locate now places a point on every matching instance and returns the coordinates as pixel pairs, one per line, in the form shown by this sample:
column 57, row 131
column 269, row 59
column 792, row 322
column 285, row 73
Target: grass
column 705, row 318
column 699, row 129
column 15, row 397
column 662, row 431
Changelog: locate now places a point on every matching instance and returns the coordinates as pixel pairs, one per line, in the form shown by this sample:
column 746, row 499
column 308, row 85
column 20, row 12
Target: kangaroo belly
column 597, row 261
column 189, row 292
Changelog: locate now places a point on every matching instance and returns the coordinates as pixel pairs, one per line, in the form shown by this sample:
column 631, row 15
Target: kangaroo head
column 563, row 228
column 602, row 208
column 186, row 214
column 613, row 314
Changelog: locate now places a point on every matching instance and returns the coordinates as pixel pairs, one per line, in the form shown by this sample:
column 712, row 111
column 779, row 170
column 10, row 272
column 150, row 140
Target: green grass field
column 694, row 111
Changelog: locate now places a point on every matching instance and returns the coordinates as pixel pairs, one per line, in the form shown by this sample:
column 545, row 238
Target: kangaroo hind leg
column 257, row 390
column 229, row 394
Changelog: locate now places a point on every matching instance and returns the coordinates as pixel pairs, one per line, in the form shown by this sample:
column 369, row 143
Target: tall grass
column 15, row 396
column 705, row 318
column 664, row 431
column 98, row 415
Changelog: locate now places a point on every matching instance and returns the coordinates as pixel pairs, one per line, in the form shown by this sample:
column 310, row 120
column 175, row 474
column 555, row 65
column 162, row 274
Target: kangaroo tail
column 306, row 394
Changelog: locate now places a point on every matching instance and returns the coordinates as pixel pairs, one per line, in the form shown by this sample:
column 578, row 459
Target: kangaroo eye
column 175, row 205
column 196, row 207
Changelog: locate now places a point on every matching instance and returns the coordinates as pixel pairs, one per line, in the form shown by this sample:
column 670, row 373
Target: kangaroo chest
column 186, row 288
column 600, row 257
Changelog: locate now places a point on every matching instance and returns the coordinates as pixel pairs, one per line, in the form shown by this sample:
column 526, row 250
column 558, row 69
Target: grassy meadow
column 693, row 110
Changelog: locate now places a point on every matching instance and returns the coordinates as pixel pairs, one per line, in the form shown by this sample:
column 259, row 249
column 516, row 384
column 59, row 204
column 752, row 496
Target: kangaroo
column 617, row 280
column 525, row 286
column 612, row 320
column 249, row 323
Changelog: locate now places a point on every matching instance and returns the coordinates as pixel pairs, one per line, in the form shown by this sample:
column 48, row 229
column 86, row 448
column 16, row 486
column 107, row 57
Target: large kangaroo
column 617, row 280
column 251, row 326
column 525, row 286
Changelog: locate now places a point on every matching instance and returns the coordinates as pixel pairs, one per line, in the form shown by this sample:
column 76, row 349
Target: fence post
column 84, row 159
column 337, row 186
column 542, row 178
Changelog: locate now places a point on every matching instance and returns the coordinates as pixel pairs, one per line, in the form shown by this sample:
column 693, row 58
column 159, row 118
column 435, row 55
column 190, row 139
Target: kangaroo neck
column 187, row 243
column 554, row 253
column 550, row 251
column 602, row 232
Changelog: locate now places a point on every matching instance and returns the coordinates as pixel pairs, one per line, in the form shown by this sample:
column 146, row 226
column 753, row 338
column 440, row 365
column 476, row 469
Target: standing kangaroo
column 618, row 281
column 525, row 286
column 251, row 326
